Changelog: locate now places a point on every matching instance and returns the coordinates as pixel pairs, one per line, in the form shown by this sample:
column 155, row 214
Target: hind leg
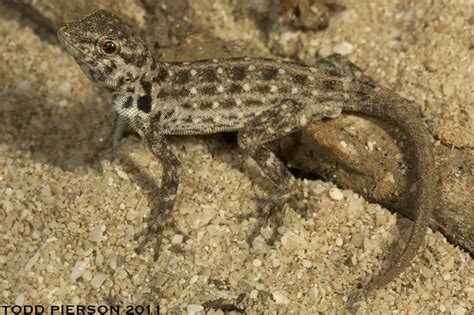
column 286, row 117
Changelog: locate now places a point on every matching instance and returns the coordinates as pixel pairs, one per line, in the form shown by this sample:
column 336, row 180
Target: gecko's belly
column 203, row 123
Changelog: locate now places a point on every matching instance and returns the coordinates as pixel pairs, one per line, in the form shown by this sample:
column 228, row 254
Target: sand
column 68, row 227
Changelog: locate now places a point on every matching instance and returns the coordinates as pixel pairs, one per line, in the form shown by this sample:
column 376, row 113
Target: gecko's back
column 223, row 95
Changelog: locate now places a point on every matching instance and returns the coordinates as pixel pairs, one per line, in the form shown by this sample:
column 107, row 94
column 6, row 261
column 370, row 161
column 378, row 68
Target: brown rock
column 337, row 150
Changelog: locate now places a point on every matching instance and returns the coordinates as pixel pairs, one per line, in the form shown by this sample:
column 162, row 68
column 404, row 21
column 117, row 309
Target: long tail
column 389, row 106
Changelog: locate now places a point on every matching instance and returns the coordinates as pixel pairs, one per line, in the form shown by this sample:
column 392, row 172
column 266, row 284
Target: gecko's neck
column 132, row 93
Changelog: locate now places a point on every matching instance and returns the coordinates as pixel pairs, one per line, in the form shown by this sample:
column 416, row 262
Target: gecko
column 259, row 98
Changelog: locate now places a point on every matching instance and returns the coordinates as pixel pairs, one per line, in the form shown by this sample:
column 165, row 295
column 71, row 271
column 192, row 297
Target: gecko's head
column 107, row 49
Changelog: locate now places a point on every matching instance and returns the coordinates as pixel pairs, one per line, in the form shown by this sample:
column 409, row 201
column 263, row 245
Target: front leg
column 161, row 218
column 113, row 139
column 117, row 132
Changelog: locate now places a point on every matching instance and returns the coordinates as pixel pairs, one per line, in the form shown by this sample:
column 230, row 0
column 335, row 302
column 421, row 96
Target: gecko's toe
column 355, row 297
column 273, row 202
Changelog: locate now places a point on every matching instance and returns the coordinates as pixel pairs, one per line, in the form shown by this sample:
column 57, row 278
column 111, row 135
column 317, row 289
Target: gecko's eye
column 109, row 47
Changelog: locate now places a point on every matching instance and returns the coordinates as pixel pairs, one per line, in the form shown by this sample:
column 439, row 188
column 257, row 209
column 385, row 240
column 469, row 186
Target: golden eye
column 110, row 47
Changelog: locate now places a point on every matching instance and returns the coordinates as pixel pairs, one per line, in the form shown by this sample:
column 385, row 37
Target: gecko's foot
column 155, row 231
column 300, row 204
column 156, row 249
column 293, row 197
column 354, row 297
column 275, row 201
column 109, row 143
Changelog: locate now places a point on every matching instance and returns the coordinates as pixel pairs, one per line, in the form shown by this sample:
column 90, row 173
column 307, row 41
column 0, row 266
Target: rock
column 280, row 297
column 98, row 280
column 78, row 270
column 336, row 194
column 195, row 309
column 343, row 48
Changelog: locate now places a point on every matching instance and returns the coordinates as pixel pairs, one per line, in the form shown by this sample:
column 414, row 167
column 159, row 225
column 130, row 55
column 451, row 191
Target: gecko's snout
column 61, row 30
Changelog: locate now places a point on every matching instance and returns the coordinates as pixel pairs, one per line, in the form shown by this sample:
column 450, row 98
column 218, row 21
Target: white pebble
column 177, row 239
column 7, row 205
column 122, row 174
column 371, row 145
column 195, row 309
column 193, row 279
column 20, row 195
column 20, row 299
column 369, row 245
column 459, row 310
column 99, row 259
column 24, row 87
column 276, row 262
column 336, row 194
column 63, row 103
column 303, row 120
column 96, row 234
column 32, row 261
column 448, row 88
column 65, row 87
column 292, row 241
column 280, row 297
column 356, row 205
column 78, row 270
column 46, row 191
column 307, row 264
column 313, row 293
column 257, row 263
column 449, row 264
column 98, row 280
column 113, row 262
column 343, row 48
column 339, row 242
column 253, row 294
